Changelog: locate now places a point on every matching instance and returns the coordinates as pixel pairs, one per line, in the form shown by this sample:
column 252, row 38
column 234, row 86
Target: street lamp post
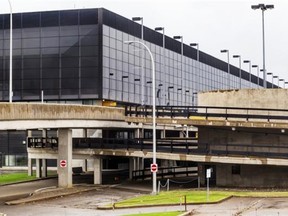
column 271, row 76
column 228, row 66
column 276, row 77
column 282, row 80
column 198, row 59
column 249, row 62
column 154, row 192
column 177, row 38
column 136, row 19
column 163, row 56
column 10, row 53
column 256, row 66
column 240, row 72
column 263, row 7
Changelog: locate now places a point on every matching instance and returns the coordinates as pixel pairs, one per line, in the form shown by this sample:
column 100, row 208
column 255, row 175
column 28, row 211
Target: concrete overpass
column 233, row 133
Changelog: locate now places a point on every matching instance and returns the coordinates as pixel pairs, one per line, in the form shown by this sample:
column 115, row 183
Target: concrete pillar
column 131, row 168
column 98, row 170
column 163, row 133
column 38, row 168
column 85, row 165
column 30, row 167
column 44, row 168
column 65, row 154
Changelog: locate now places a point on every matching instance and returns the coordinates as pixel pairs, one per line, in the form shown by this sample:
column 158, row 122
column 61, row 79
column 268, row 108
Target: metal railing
column 208, row 111
column 164, row 172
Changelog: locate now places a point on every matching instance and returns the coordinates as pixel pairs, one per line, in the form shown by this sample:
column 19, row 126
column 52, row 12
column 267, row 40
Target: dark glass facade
column 54, row 52
column 80, row 55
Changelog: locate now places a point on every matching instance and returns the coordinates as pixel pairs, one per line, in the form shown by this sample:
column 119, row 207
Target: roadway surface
column 86, row 203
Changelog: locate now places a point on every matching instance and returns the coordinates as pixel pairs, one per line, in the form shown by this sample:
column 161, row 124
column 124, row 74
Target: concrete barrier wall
column 31, row 111
column 248, row 98
column 252, row 176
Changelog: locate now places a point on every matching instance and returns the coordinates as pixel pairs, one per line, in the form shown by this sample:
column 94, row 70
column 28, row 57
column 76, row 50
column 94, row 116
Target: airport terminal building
column 78, row 56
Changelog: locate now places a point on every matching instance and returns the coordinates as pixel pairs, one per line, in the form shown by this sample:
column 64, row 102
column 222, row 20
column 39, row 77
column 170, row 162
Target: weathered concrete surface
column 248, row 98
column 252, row 176
column 34, row 111
column 91, row 153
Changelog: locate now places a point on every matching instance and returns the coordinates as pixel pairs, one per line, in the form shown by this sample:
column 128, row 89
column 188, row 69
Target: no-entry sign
column 154, row 167
column 63, row 163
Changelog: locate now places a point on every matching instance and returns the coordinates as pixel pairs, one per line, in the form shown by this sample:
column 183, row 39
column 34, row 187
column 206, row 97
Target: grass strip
column 7, row 178
column 193, row 197
column 174, row 213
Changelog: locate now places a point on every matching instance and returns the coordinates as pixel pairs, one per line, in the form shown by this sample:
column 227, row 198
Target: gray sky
column 214, row 24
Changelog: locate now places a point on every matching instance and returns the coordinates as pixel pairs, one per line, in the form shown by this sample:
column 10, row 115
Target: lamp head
column 159, row 28
column 137, row 18
column 224, row 51
column 177, row 37
column 193, row 44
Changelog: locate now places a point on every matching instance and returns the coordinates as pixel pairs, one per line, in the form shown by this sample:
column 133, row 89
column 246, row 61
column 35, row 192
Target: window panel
column 68, row 18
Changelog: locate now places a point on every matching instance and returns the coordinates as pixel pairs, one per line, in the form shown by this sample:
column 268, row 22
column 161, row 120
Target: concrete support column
column 30, row 162
column 85, row 165
column 65, row 154
column 38, row 168
column 30, row 167
column 44, row 168
column 98, row 170
column 131, row 168
column 163, row 133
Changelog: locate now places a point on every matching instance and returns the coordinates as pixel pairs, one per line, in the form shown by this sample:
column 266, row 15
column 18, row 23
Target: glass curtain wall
column 177, row 84
column 54, row 52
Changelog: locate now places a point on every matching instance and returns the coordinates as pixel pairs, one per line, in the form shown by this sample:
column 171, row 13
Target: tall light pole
column 271, row 76
column 249, row 62
column 228, row 65
column 276, row 77
column 282, row 80
column 240, row 72
column 256, row 66
column 136, row 19
column 181, row 38
column 154, row 192
column 263, row 7
column 198, row 58
column 163, row 56
column 10, row 58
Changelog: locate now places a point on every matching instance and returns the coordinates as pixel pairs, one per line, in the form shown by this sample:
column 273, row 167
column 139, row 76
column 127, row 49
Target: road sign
column 154, row 167
column 208, row 173
column 63, row 163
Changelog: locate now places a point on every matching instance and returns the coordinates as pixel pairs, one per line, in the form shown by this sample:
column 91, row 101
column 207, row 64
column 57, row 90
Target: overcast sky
column 214, row 24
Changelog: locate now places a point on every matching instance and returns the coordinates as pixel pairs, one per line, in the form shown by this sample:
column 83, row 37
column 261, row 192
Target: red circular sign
column 63, row 163
column 154, row 167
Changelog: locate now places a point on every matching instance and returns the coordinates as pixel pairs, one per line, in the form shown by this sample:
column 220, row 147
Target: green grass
column 194, row 196
column 15, row 177
column 175, row 213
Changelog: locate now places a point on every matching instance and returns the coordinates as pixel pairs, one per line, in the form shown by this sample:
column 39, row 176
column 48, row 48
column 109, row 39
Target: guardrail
column 208, row 111
column 165, row 172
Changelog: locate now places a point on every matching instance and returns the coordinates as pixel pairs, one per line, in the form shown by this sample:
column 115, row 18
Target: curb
column 159, row 205
column 35, row 199
column 187, row 213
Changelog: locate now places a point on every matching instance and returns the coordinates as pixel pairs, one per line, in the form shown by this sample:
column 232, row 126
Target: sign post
column 208, row 176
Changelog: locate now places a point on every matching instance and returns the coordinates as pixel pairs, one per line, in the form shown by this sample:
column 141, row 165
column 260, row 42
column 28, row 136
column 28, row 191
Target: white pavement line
column 240, row 212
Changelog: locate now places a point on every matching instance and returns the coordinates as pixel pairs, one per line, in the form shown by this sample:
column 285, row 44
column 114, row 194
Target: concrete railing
column 33, row 111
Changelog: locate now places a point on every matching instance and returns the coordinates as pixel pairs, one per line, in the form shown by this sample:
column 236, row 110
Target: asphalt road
column 86, row 203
